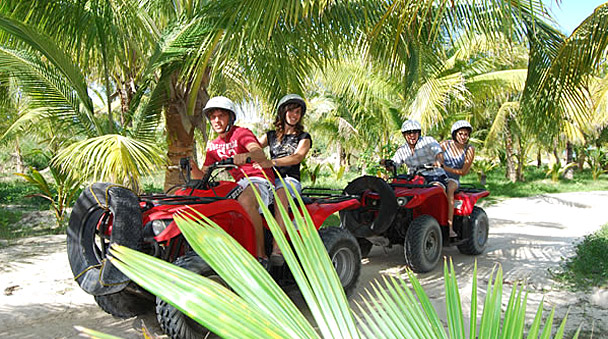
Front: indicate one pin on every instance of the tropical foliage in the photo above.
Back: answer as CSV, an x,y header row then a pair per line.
x,y
61,193
106,75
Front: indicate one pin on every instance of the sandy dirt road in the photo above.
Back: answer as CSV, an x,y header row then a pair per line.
x,y
39,299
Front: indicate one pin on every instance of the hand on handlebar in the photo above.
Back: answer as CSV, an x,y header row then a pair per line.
x,y
194,170
240,159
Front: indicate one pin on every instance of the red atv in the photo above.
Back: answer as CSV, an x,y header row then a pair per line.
x,y
106,213
409,211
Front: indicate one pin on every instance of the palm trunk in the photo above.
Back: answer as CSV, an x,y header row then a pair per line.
x,y
569,159
18,157
511,173
180,126
521,159
580,158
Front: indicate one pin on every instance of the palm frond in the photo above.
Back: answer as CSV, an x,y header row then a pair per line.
x,y
429,104
48,90
512,80
120,159
507,111
390,309
557,86
60,60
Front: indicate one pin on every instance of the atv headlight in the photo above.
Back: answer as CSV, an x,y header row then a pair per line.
x,y
402,201
159,225
457,204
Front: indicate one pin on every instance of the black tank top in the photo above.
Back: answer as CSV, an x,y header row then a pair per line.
x,y
286,147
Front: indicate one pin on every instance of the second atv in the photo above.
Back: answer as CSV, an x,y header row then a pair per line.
x,y
410,212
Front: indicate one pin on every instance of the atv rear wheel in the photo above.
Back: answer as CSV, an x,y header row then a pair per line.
x,y
172,321
370,220
475,233
345,255
423,244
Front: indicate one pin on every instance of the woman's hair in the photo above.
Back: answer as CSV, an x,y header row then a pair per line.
x,y
279,121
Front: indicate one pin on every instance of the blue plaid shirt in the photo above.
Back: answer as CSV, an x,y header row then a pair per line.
x,y
425,153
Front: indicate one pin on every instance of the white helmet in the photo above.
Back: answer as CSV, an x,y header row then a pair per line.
x,y
411,125
460,124
292,99
223,103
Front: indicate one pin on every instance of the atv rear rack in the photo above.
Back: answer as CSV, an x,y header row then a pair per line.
x,y
164,199
324,195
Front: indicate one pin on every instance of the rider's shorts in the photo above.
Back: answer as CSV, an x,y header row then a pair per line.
x,y
441,179
291,183
263,186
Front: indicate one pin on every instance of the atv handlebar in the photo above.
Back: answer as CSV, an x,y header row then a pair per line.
x,y
224,163
390,166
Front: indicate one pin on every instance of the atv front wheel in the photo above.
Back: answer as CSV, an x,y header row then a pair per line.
x,y
124,304
345,255
88,240
172,321
423,244
475,233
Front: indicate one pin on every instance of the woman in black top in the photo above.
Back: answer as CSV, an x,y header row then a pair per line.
x,y
288,145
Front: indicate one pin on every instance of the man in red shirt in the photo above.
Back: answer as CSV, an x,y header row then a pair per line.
x,y
239,143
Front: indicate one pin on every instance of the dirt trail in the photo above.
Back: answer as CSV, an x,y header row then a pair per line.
x,y
39,298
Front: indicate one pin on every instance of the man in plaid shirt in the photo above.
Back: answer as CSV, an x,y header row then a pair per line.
x,y
424,156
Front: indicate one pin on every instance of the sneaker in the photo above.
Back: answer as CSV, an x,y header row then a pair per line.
x,y
277,259
264,262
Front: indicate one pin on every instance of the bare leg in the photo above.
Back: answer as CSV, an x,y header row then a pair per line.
x,y
250,205
452,186
277,215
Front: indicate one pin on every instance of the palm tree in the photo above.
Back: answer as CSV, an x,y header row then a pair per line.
x,y
198,47
54,82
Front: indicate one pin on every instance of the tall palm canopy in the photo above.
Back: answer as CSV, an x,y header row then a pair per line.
x,y
153,60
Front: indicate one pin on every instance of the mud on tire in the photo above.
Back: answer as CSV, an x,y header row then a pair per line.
x,y
171,320
345,255
475,233
423,244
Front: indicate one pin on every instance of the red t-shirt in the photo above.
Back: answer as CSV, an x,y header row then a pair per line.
x,y
234,143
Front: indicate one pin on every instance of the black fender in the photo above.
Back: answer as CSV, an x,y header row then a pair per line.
x,y
362,222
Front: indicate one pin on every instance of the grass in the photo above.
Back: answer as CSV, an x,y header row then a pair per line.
x,y
8,218
15,191
537,183
589,266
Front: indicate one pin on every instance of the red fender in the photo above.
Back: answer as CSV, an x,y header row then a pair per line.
x,y
468,202
321,211
228,214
